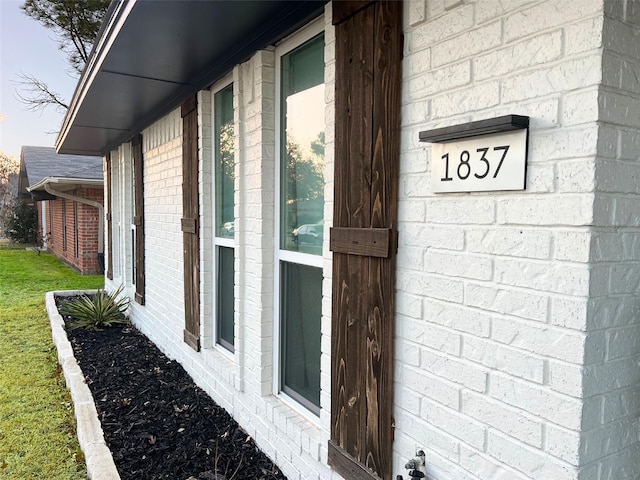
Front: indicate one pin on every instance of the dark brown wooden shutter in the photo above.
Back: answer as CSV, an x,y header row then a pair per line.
x,y
109,206
190,227
368,82
138,216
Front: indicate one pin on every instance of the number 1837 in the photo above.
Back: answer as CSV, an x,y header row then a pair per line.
x,y
490,162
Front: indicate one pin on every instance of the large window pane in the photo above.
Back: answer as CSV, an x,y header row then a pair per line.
x,y
302,148
225,320
301,288
224,162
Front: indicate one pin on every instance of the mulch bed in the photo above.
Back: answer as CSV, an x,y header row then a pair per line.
x,y
157,423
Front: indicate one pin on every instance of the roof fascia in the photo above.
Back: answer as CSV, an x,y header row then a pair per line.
x,y
116,16
120,15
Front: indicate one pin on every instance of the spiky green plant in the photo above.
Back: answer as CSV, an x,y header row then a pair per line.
x,y
97,311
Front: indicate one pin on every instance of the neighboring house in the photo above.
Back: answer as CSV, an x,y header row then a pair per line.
x,y
68,193
498,330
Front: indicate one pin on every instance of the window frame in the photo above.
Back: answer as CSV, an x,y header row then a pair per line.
x,y
217,241
132,215
117,206
281,256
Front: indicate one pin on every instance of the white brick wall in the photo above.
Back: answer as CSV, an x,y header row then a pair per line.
x,y
498,286
611,437
163,312
517,332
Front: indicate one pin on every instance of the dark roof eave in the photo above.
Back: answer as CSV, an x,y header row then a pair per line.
x,y
123,90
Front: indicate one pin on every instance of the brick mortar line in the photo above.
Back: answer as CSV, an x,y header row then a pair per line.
x,y
98,458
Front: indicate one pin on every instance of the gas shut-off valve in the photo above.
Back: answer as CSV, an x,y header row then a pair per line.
x,y
416,466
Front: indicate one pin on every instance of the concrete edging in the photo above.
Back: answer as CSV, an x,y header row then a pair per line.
x,y
98,458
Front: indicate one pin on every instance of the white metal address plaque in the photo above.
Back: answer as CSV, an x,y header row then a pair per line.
x,y
480,164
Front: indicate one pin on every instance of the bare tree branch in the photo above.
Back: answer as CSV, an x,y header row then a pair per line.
x,y
75,24
37,95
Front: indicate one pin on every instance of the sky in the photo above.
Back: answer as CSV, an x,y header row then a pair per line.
x,y
28,47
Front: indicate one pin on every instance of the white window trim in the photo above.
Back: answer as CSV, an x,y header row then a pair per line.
x,y
115,216
220,241
316,27
125,156
132,214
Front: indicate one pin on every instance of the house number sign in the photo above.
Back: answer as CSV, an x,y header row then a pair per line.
x,y
466,159
485,163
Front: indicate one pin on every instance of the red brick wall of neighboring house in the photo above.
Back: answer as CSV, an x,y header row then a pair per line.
x,y
73,234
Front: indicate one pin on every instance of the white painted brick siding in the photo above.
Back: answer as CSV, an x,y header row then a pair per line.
x,y
517,330
531,462
514,422
612,380
504,358
509,301
524,261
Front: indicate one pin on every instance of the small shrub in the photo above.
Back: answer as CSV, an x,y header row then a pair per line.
x,y
97,311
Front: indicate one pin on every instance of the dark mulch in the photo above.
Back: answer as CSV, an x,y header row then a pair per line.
x,y
157,423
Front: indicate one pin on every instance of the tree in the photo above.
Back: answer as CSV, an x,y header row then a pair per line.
x,y
303,179
20,221
76,24
304,175
317,146
9,168
38,95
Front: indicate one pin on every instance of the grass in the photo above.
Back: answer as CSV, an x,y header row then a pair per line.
x,y
37,426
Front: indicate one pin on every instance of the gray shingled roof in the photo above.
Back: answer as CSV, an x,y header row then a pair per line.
x,y
42,162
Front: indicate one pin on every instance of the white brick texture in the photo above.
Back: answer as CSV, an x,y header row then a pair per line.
x,y
539,298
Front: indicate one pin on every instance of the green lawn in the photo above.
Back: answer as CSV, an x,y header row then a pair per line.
x,y
37,426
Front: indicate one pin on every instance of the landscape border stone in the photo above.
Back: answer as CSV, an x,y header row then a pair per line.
x,y
98,458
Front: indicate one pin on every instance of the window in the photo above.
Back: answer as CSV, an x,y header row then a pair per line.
x,y
224,221
117,205
109,211
132,224
300,221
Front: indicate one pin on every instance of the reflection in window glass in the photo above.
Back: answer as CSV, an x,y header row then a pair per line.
x,y
224,162
302,148
225,310
301,219
302,304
